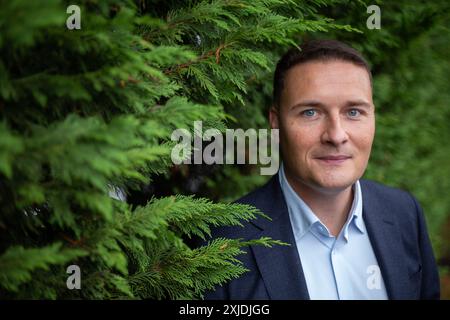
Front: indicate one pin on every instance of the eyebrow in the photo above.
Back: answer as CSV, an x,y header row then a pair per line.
x,y
316,103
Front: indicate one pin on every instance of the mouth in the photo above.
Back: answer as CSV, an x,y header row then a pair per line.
x,y
334,159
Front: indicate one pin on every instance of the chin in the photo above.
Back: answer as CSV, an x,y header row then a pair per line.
x,y
336,183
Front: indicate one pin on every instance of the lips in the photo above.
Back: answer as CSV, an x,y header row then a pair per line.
x,y
334,159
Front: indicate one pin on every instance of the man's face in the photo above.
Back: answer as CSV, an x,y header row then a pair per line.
x,y
327,124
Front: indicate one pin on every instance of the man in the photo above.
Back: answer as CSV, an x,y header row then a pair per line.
x,y
349,238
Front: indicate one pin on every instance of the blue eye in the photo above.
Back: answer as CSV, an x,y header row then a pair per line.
x,y
353,113
309,113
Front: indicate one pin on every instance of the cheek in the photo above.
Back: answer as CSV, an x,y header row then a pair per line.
x,y
300,138
363,140
363,136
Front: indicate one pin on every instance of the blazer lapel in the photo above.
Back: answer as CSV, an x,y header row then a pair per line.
x,y
280,266
385,238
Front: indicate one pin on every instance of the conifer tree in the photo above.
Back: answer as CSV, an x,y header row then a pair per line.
x,y
87,111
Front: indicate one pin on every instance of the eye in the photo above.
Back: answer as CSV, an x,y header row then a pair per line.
x,y
309,113
353,113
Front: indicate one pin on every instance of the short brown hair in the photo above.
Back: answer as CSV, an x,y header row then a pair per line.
x,y
314,50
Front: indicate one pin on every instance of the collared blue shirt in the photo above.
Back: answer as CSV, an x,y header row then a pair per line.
x,y
335,268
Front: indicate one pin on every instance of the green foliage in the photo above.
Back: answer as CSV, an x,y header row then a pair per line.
x,y
17,263
190,271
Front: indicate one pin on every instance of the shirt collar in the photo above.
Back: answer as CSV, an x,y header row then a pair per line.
x,y
302,217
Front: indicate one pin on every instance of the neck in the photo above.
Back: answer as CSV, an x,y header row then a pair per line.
x,y
332,208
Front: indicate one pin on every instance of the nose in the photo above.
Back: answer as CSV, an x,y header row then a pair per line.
x,y
334,132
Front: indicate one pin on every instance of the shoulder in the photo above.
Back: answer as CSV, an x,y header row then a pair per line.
x,y
399,204
386,193
263,199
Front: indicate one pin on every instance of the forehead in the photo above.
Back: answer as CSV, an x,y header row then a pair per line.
x,y
327,79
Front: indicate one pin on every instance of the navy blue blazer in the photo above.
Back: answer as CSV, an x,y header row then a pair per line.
x,y
396,229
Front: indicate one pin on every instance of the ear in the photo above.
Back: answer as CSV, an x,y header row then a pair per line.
x,y
274,117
